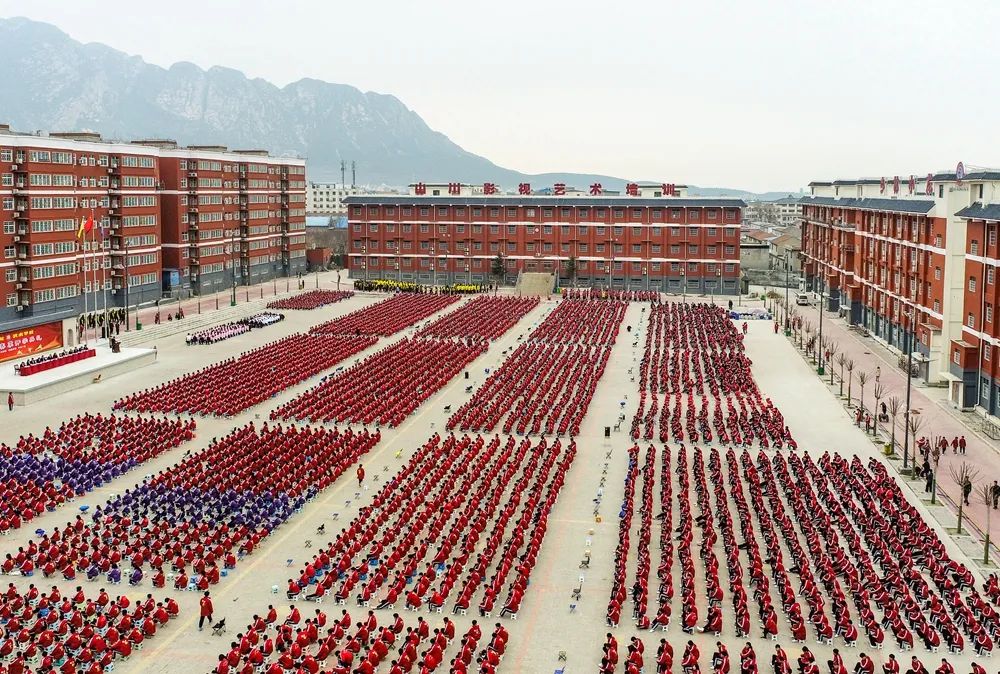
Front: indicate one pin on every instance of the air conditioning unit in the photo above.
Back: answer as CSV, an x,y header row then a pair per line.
x,y
18,286
25,303
16,239
13,167
19,308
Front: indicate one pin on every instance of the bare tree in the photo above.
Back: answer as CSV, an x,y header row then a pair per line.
x,y
841,361
862,380
964,475
895,407
832,348
878,392
985,494
850,379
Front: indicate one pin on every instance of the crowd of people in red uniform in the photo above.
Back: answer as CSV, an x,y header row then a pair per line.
x,y
312,299
41,472
73,633
464,516
839,546
362,645
486,317
547,383
387,386
695,382
235,384
388,316
190,523
606,294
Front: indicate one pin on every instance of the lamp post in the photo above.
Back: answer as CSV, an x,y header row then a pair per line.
x,y
718,282
645,277
683,284
788,327
819,345
232,262
909,384
364,260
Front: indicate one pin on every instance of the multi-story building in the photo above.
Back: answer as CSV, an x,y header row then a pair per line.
x,y
142,208
659,242
48,185
976,350
232,217
890,256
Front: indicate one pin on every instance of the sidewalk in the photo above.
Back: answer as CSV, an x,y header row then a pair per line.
x,y
221,300
938,417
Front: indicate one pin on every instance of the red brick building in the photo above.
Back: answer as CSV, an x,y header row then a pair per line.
x,y
974,353
632,242
896,257
142,203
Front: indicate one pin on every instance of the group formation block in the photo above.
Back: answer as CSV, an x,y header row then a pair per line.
x,y
827,550
547,383
695,382
461,524
388,316
39,473
312,299
235,384
50,632
193,521
486,317
386,387
362,644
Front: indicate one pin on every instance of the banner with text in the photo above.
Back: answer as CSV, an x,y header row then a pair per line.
x,y
29,341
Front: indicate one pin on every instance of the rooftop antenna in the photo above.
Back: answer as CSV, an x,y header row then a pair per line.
x,y
354,173
343,169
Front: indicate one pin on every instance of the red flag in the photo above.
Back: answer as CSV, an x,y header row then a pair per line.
x,y
86,225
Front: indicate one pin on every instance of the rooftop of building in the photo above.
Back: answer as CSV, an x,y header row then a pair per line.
x,y
980,211
521,200
917,206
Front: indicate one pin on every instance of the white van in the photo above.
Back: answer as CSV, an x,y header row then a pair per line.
x,y
803,299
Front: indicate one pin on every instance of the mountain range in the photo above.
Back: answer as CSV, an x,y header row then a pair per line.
x,y
65,85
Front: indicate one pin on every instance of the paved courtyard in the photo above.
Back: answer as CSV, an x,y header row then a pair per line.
x,y
554,627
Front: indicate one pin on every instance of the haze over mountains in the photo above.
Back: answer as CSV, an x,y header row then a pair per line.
x,y
64,85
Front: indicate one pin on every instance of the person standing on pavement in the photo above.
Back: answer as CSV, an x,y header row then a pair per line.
x,y
206,610
10,401
995,493
961,444
966,489
878,373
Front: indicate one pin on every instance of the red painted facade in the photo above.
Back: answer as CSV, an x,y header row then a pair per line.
x,y
637,242
156,207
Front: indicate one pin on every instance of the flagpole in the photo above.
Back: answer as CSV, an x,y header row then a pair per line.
x,y
83,269
104,292
93,273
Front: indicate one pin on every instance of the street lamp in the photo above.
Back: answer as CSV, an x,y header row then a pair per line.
x,y
364,260
909,383
232,262
788,328
645,277
819,345
683,284
718,282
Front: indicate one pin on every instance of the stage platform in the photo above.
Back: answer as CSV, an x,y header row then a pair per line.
x,y
103,366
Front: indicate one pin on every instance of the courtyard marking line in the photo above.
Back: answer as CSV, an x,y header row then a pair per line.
x,y
235,581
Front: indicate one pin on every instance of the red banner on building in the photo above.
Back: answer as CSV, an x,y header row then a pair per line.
x,y
29,341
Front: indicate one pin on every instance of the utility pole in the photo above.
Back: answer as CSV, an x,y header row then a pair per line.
x,y
343,172
354,173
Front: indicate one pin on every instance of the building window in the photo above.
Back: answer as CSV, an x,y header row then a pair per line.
x,y
987,349
937,273
989,275
956,357
974,247
988,315
972,284
971,321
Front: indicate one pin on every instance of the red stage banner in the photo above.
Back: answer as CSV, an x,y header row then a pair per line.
x,y
29,341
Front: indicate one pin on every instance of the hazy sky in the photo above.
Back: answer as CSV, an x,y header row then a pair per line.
x,y
759,95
